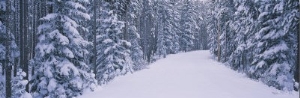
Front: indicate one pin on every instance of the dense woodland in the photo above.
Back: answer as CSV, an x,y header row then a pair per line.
x,y
59,48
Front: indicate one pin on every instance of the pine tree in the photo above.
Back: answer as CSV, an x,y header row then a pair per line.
x,y
84,28
243,25
60,68
2,58
225,33
275,57
291,25
2,89
19,85
201,36
147,29
260,38
2,31
8,49
186,35
2,53
163,34
167,38
113,52
214,27
172,25
136,52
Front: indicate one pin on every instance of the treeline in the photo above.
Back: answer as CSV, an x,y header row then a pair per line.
x,y
58,48
258,38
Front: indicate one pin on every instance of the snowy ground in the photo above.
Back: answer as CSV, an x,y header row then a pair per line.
x,y
187,75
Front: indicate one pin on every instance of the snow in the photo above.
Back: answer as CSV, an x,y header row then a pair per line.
x,y
127,43
187,75
282,46
68,53
107,41
2,5
67,68
75,5
2,53
26,95
51,86
23,74
263,14
23,82
108,49
50,16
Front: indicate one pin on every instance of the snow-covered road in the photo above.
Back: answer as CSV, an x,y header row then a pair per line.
x,y
187,75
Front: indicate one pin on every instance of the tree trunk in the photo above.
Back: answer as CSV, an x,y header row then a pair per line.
x,y
16,34
7,60
297,73
125,35
8,79
95,36
21,33
219,41
24,45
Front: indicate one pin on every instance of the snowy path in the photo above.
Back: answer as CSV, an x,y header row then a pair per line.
x,y
186,75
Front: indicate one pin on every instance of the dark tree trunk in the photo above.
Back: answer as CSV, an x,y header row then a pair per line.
x,y
125,35
7,64
219,41
24,39
8,79
296,76
15,32
26,42
22,33
95,36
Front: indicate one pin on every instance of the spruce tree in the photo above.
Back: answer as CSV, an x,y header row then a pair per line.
x,y
19,85
113,53
136,52
2,58
275,57
167,38
60,68
187,24
243,25
8,49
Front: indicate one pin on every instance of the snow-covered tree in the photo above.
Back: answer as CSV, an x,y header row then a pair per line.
x,y
291,26
19,85
212,29
274,56
218,28
2,53
2,84
163,32
259,38
200,32
147,29
244,26
186,36
8,49
113,53
167,38
60,68
136,52
2,57
2,48
84,28
172,25
226,34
